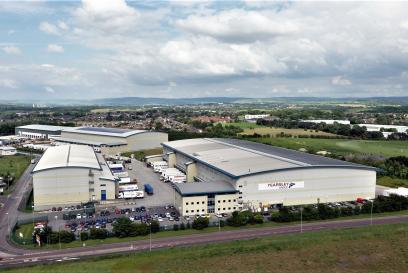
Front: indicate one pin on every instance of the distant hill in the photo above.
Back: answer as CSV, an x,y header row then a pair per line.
x,y
138,101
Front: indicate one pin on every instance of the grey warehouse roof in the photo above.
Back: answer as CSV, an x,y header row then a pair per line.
x,y
199,188
237,158
66,156
115,132
41,127
87,142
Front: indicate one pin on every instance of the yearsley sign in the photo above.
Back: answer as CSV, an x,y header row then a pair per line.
x,y
281,186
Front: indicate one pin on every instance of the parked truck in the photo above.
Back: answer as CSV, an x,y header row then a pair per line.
x,y
148,189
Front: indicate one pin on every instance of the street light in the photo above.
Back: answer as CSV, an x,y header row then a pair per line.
x,y
59,233
301,219
32,206
150,236
8,223
371,217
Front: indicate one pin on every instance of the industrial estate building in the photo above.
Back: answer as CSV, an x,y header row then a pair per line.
x,y
38,131
228,174
112,140
106,140
71,175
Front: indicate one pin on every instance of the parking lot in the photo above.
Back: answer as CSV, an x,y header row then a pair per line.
x,y
159,206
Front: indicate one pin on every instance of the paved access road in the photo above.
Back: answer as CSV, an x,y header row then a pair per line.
x,y
9,212
30,257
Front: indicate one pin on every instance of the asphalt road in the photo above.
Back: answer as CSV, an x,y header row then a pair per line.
x,y
9,212
32,257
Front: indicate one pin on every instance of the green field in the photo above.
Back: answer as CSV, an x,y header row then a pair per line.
x,y
392,182
277,131
368,249
14,165
243,125
340,146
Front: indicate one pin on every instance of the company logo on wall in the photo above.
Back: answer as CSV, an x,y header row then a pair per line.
x,y
281,185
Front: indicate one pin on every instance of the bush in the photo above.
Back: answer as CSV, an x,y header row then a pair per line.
x,y
200,223
98,233
66,236
84,236
175,227
222,223
155,226
182,226
122,227
188,226
237,219
258,219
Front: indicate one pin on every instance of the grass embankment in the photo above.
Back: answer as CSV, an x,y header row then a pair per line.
x,y
340,146
392,182
27,229
14,165
367,249
139,155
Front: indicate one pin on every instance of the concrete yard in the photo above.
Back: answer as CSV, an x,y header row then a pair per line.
x,y
163,192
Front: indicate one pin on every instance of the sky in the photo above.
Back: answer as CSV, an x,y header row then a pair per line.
x,y
184,49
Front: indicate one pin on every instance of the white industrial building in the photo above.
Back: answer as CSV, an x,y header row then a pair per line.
x,y
70,175
228,174
112,140
7,150
255,117
38,131
327,121
382,127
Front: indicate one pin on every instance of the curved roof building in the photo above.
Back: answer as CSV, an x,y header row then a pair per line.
x,y
264,174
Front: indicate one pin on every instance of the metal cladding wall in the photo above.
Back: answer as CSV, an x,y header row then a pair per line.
x,y
312,185
136,142
67,186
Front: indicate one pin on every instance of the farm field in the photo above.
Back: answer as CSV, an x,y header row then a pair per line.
x,y
340,146
367,249
276,131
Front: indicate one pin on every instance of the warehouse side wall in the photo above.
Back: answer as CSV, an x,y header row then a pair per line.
x,y
310,186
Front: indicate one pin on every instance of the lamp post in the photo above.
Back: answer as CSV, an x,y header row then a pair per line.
x,y
8,223
32,206
301,219
150,236
59,235
371,218
219,225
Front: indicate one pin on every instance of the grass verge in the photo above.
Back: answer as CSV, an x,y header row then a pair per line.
x,y
365,249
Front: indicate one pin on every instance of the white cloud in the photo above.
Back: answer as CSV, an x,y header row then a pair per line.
x,y
12,50
55,48
340,80
106,15
62,25
239,25
49,28
8,83
49,89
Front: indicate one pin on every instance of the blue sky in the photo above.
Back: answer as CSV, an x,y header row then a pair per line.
x,y
100,48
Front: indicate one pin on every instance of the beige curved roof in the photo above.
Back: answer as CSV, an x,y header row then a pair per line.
x,y
66,156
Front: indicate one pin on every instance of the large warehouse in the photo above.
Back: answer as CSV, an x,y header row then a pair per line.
x,y
112,140
70,175
38,131
230,174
